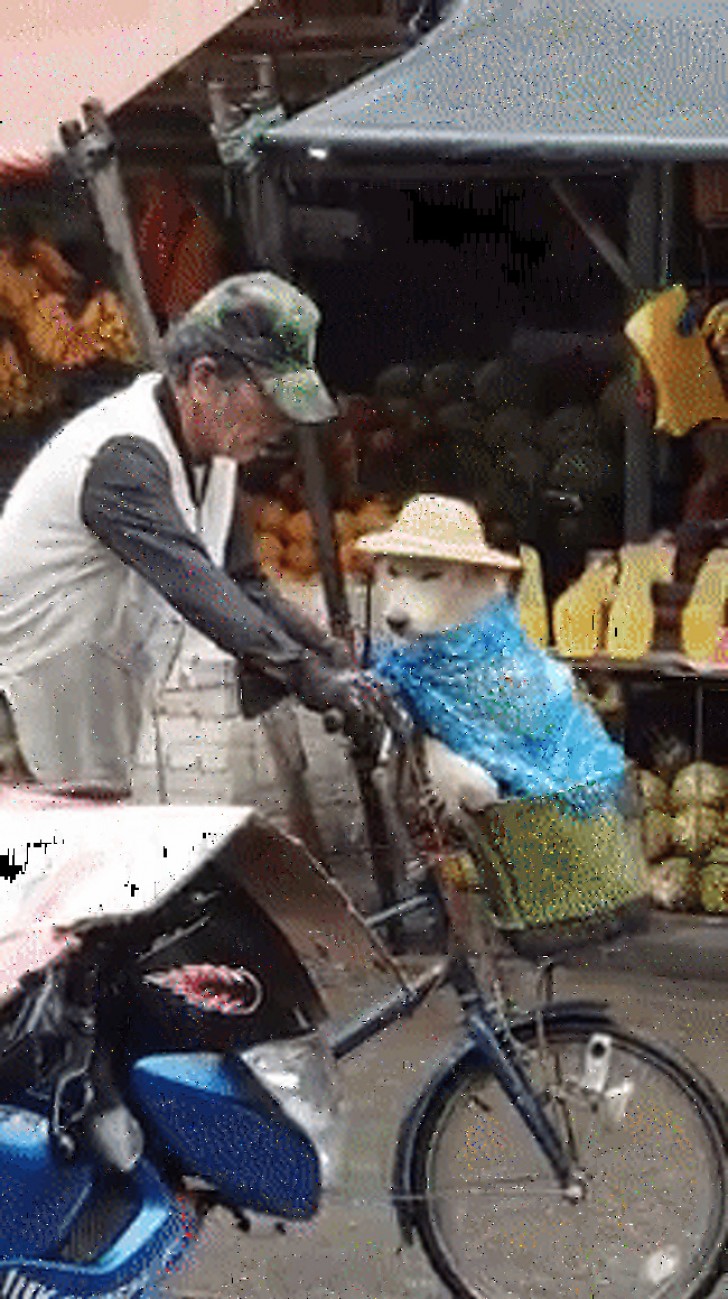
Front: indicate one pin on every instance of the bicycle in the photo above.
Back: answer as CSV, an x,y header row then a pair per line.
x,y
554,1152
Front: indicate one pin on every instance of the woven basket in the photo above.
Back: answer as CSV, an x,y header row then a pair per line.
x,y
551,879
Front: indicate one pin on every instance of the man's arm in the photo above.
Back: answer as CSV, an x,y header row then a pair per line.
x,y
241,565
127,502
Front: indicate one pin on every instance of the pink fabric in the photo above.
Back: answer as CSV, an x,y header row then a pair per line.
x,y
85,861
53,57
39,943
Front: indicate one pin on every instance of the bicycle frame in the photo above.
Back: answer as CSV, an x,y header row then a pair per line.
x,y
485,1035
390,844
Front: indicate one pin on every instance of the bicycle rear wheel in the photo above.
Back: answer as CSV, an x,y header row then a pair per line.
x,y
649,1137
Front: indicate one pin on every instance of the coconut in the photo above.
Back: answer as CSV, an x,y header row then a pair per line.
x,y
300,559
522,462
696,828
458,418
657,835
356,561
269,550
400,410
272,518
373,516
714,887
655,792
673,884
668,754
700,782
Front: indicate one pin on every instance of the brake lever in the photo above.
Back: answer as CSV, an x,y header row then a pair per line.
x,y
335,724
398,730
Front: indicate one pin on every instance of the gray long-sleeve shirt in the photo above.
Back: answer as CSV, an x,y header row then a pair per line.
x,y
127,502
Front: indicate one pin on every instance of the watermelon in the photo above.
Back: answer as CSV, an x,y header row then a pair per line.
x,y
569,426
509,424
447,382
504,382
587,470
398,381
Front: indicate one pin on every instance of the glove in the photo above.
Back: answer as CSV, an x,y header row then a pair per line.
x,y
324,689
340,656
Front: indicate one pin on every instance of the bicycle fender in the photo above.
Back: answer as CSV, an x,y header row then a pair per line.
x,y
566,1013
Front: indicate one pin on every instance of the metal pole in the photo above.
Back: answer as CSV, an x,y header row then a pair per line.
x,y
318,498
594,232
92,156
644,245
667,221
265,239
664,262
92,159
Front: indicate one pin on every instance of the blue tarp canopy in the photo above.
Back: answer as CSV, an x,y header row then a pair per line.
x,y
536,80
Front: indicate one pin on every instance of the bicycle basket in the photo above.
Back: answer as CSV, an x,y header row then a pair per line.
x,y
552,879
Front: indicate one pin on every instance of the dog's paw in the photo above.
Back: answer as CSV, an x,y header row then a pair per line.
x,y
460,784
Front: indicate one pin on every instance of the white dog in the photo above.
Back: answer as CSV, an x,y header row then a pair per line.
x,y
434,571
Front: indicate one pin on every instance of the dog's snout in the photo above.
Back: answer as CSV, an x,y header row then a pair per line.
x,y
398,623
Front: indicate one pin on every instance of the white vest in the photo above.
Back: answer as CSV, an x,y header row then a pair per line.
x,y
86,643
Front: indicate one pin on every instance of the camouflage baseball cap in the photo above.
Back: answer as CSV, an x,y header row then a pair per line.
x,y
269,327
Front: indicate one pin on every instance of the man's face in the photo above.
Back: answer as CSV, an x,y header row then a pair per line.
x,y
227,416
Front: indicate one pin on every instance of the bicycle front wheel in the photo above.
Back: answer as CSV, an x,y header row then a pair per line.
x,y
649,1139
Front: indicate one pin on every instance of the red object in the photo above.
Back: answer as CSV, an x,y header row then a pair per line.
x,y
359,416
180,251
707,499
710,194
18,172
645,393
216,988
383,443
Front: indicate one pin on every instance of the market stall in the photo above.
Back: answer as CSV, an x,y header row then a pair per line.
x,y
55,316
522,125
65,336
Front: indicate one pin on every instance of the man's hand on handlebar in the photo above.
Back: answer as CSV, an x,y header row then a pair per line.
x,y
353,703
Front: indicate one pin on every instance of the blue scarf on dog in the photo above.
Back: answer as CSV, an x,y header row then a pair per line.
x,y
491,695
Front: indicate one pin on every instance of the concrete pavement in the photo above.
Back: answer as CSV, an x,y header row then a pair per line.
x,y
353,1250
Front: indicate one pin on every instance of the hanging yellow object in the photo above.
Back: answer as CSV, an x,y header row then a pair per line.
x,y
632,615
704,616
581,612
532,606
688,387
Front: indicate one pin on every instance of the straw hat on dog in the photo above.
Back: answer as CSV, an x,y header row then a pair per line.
x,y
439,528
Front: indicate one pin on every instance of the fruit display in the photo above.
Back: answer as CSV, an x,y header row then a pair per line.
x,y
285,542
609,608
490,429
14,382
685,837
49,323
